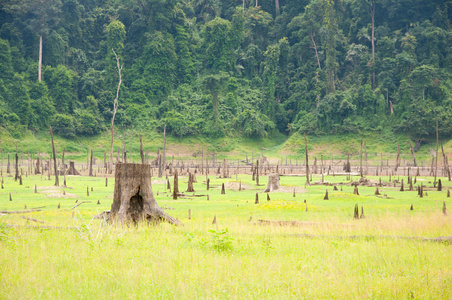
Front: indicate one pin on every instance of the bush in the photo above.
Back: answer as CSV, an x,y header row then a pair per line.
x,y
63,125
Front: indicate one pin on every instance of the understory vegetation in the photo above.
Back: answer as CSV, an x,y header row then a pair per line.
x,y
214,68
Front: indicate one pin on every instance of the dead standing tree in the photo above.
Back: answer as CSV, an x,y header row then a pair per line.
x,y
115,109
133,197
57,183
307,157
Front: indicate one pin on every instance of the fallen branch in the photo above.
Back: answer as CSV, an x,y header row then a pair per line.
x,y
18,211
295,223
81,203
31,219
440,239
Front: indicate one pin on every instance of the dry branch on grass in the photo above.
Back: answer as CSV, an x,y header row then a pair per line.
x,y
81,203
18,211
31,219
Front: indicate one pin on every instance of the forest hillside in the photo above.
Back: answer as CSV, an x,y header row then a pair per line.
x,y
231,67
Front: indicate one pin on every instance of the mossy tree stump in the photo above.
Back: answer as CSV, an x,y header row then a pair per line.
x,y
133,197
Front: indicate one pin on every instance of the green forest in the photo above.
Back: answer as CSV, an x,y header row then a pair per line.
x,y
227,67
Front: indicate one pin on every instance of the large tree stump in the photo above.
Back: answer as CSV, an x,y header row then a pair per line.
x,y
273,183
72,170
133,197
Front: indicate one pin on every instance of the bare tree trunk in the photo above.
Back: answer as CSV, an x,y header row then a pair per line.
x,y
436,159
164,147
311,34
361,160
57,183
33,155
365,158
412,153
277,7
91,164
398,158
141,150
307,160
16,166
64,170
40,58
115,109
372,15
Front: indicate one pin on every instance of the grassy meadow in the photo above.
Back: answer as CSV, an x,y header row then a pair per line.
x,y
327,255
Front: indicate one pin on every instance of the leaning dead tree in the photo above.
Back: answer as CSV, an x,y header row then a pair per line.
x,y
133,197
115,109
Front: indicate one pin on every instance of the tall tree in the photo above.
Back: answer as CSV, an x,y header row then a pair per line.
x,y
40,16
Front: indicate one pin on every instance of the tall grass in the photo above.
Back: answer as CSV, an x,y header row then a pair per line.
x,y
330,255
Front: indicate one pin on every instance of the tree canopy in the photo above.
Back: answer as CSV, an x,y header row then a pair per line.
x,y
208,67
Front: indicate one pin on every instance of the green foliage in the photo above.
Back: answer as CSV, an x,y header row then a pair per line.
x,y
63,125
221,240
216,68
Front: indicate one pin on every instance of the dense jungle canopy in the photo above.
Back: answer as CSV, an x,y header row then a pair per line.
x,y
216,67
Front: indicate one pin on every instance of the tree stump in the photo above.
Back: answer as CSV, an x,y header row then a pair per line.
x,y
72,170
377,192
133,197
273,183
356,212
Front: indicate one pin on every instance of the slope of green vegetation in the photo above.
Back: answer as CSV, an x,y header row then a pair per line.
x,y
210,68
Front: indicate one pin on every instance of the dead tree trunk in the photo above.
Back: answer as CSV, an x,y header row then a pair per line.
x,y
398,158
115,109
273,183
361,160
436,158
16,167
64,170
412,153
175,186
57,183
133,197
141,150
164,148
91,164
307,159
257,172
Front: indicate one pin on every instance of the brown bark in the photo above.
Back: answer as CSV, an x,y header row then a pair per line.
x,y
436,158
164,148
175,185
273,183
57,183
133,197
307,160
115,109
412,153
40,59
91,164
141,150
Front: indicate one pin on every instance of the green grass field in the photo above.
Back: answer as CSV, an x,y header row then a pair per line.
x,y
329,255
